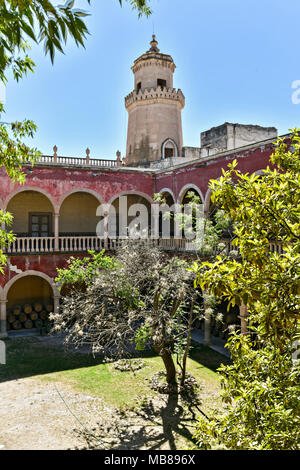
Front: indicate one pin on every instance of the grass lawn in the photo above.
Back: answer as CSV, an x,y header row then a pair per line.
x,y
28,357
46,362
124,389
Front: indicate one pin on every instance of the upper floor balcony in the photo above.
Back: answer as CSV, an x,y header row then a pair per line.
x,y
72,226
26,245
82,243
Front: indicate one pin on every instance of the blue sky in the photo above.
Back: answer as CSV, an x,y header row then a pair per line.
x,y
236,61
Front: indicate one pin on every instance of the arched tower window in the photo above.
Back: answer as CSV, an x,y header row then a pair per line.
x,y
169,149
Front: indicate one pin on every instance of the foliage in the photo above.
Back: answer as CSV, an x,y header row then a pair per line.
x,y
13,152
139,297
41,21
83,271
141,5
204,230
38,21
5,236
261,387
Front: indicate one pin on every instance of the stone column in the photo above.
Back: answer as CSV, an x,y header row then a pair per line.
x,y
3,331
106,214
87,158
177,226
119,161
244,321
56,303
55,154
56,231
207,323
155,222
2,247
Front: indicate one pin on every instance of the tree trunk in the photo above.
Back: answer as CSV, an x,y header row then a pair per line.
x,y
170,368
159,346
188,343
168,363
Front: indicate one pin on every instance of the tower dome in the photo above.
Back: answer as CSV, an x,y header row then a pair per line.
x,y
154,109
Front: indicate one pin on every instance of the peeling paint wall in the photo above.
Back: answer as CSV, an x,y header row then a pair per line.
x,y
106,185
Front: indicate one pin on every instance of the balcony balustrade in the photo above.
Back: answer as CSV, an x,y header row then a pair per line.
x,y
84,243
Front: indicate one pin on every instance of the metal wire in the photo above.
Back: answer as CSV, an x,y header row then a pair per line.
x,y
76,417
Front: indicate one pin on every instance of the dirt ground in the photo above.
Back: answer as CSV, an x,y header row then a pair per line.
x,y
37,414
34,416
40,416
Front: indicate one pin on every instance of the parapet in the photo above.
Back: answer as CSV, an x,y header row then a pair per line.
x,y
155,94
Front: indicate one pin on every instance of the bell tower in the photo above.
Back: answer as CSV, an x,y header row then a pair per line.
x,y
154,110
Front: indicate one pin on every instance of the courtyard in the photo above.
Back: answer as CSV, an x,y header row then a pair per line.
x,y
57,399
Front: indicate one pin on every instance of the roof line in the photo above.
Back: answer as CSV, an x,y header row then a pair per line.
x,y
224,153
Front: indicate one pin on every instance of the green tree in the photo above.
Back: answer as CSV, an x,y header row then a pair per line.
x,y
41,22
261,387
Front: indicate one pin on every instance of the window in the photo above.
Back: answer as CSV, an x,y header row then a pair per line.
x,y
169,152
161,83
40,224
169,149
139,87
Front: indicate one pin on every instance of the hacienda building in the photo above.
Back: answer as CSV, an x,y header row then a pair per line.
x,y
56,211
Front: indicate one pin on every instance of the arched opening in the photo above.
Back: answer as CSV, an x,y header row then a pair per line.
x,y
167,196
129,212
30,300
77,215
33,214
225,320
192,207
211,211
166,222
169,149
187,194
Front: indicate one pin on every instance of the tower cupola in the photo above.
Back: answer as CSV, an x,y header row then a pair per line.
x,y
154,109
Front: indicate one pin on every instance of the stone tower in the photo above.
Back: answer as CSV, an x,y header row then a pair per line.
x,y
154,110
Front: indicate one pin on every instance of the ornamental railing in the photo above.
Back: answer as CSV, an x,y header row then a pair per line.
x,y
83,244
80,161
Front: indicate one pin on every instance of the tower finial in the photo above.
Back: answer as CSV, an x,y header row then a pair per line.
x,y
154,44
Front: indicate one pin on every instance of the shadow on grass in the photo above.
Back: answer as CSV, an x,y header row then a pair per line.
x,y
208,358
31,356
27,357
166,426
